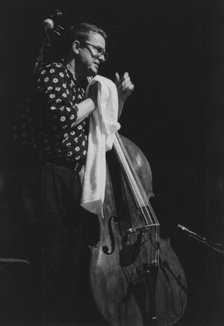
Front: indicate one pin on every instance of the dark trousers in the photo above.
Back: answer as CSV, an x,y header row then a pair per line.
x,y
58,233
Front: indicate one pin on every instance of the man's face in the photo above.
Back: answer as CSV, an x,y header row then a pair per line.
x,y
92,54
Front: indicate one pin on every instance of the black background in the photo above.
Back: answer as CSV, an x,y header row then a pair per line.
x,y
174,52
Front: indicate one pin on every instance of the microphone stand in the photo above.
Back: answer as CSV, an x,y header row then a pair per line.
x,y
214,245
39,59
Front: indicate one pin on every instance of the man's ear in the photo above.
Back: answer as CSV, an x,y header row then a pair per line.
x,y
76,46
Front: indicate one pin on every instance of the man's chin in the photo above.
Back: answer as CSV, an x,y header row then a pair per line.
x,y
94,70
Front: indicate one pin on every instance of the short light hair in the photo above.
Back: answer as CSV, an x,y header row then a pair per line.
x,y
81,32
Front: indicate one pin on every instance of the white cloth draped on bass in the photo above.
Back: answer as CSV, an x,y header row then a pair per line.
x,y
102,128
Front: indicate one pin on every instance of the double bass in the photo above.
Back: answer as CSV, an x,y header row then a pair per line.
x,y
135,276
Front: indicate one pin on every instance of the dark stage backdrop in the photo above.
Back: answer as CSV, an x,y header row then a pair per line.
x,y
174,52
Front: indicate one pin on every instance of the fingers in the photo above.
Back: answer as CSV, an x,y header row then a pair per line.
x,y
124,80
125,84
117,78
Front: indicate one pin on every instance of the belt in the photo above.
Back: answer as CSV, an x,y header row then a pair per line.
x,y
75,166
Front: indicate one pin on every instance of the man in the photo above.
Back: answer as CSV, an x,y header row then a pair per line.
x,y
54,129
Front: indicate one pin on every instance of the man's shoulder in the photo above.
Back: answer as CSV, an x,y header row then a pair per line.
x,y
52,67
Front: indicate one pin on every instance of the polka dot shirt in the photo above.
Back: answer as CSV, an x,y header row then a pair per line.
x,y
47,119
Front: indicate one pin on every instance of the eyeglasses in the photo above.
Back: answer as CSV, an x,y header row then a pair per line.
x,y
99,51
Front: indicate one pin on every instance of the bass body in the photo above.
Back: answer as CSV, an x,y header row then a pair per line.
x,y
136,278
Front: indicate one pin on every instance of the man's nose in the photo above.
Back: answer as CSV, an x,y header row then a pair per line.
x,y
102,57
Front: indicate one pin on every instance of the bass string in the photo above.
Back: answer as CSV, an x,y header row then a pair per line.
x,y
139,192
137,195
137,184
